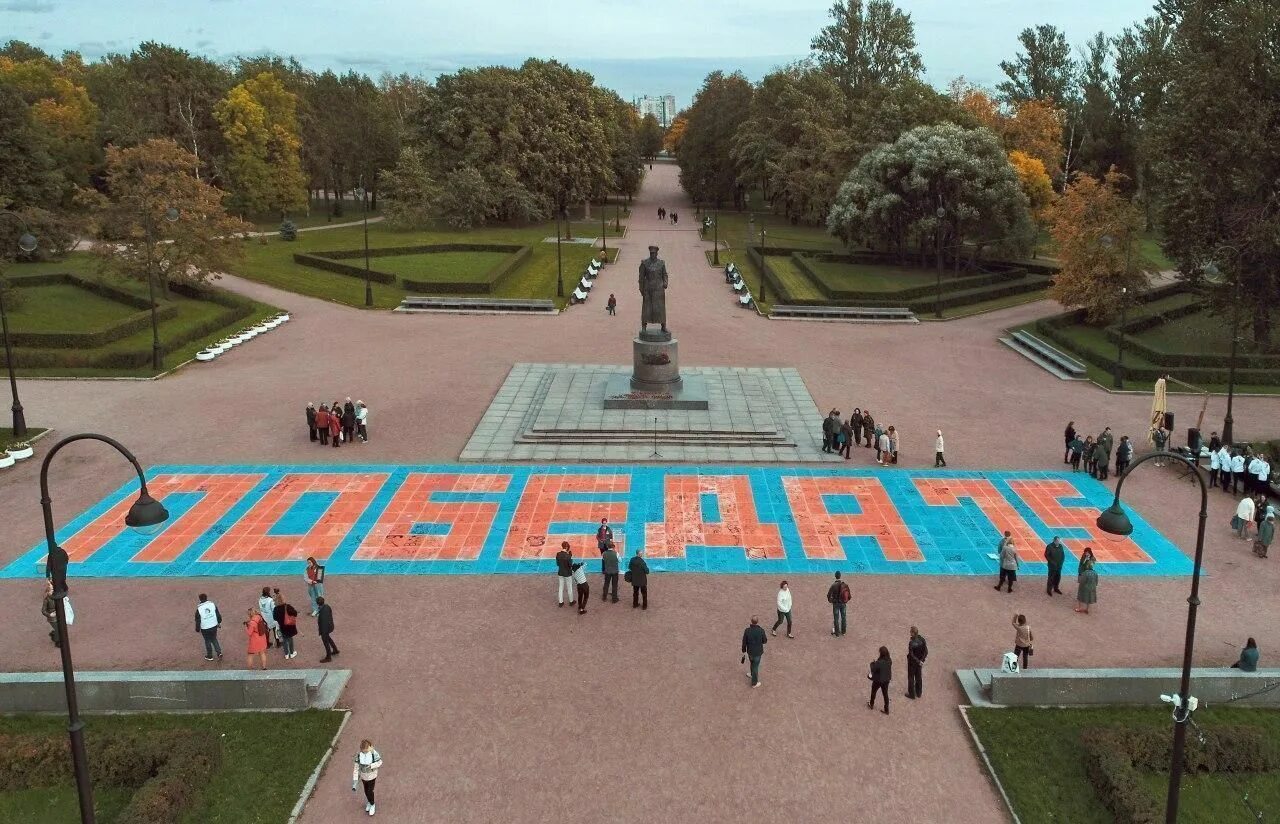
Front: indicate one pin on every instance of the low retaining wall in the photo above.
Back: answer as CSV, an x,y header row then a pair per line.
x,y
1083,687
162,691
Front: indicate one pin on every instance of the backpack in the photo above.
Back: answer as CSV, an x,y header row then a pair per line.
x,y
845,595
290,617
261,629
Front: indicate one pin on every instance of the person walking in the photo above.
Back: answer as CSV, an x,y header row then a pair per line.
x,y
845,439
49,609
1055,555
1023,639
311,421
1008,562
1076,448
838,595
324,624
612,306
365,770
938,459
266,608
753,641
579,575
255,627
917,652
855,423
638,577
1124,454
286,618
1069,435
362,421
564,574
1266,534
322,424
609,568
1243,517
335,426
1087,589
1248,660
208,619
314,576
784,609
880,674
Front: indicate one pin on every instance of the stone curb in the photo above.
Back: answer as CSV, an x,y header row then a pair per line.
x,y
310,787
982,753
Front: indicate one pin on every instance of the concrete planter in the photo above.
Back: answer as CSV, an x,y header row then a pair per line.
x,y
206,355
6,460
20,454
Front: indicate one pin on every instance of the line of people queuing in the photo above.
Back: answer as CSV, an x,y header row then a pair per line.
x,y
338,422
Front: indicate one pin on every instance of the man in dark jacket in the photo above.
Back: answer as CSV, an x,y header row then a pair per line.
x,y
604,534
1124,455
838,596
348,420
829,425
868,427
564,574
609,568
311,422
880,673
753,641
1106,442
1054,556
638,573
324,623
917,651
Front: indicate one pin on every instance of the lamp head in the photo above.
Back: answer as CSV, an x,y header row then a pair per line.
x,y
1107,240
941,212
27,242
147,516
359,193
1114,521
171,214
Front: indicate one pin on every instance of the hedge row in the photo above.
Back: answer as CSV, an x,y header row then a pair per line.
x,y
166,770
92,340
834,293
1182,359
331,262
400,251
1115,757
317,262
517,256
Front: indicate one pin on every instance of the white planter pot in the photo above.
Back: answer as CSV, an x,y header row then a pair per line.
x,y
206,356
20,454
271,324
6,460
284,318
219,349
258,330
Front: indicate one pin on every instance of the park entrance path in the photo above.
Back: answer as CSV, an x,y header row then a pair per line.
x,y
491,704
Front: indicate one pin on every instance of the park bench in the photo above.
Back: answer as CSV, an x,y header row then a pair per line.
x,y
738,286
745,300
586,284
1047,357
866,314
731,273
421,304
578,296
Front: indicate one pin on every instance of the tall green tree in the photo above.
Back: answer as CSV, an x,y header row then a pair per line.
x,y
1043,70
1217,153
650,137
707,169
260,124
868,45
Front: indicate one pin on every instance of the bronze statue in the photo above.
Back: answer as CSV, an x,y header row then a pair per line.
x,y
653,291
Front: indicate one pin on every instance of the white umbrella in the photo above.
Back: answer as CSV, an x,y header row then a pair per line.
x,y
1159,405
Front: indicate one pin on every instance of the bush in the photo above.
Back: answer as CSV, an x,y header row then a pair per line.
x,y
1115,757
288,231
166,770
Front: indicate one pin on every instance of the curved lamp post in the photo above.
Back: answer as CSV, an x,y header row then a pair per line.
x,y
171,215
1215,275
1115,522
937,300
26,243
362,194
1117,375
147,515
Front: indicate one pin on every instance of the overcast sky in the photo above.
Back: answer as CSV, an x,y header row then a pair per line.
x,y
632,46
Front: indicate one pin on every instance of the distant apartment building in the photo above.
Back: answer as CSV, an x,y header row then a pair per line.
x,y
662,107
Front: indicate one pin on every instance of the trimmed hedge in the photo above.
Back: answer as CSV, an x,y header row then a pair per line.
x,y
1115,757
332,262
988,277
165,770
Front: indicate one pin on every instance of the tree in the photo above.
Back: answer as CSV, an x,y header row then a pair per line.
x,y
1138,86
865,46
1096,229
28,174
890,201
143,183
707,170
675,135
1043,70
260,124
1033,127
1216,152
1035,182
650,137
414,196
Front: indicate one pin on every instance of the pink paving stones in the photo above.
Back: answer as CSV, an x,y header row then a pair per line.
x,y
530,533
821,530
685,524
465,524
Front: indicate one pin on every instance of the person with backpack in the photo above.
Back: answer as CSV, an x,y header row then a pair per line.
x,y
917,651
287,619
838,596
267,608
365,771
255,628
880,674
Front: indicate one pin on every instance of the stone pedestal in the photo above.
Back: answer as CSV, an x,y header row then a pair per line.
x,y
656,363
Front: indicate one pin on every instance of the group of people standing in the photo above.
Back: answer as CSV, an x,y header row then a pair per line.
x,y
338,422
1055,555
839,436
571,574
1095,452
1254,509
1230,468
663,214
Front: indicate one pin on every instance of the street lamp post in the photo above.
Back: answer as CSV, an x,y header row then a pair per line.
x,y
1117,380
147,515
604,230
715,230
937,300
559,260
764,263
363,194
171,215
1214,274
1115,522
26,243
617,217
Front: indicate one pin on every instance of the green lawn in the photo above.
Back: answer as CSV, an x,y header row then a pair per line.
x,y
1037,755
875,277
797,284
6,438
736,229
266,759
272,262
65,307
453,266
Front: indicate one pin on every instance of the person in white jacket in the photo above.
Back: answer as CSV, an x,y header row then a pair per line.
x,y
784,609
1244,516
266,608
939,460
362,421
365,771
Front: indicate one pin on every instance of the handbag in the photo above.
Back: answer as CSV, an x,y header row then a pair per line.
x,y
627,576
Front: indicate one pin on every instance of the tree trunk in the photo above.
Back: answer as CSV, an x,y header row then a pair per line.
x,y
586,209
1261,325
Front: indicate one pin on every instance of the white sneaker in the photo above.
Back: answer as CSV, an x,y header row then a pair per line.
x,y
366,806
372,807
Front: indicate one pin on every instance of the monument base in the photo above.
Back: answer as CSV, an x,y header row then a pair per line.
x,y
690,392
656,363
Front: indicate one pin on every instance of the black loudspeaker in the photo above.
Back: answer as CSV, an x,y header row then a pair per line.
x,y
1193,440
1168,421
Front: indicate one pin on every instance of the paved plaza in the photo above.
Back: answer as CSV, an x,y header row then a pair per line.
x,y
487,702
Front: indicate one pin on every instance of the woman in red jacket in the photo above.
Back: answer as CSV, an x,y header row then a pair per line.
x,y
256,630
322,424
335,427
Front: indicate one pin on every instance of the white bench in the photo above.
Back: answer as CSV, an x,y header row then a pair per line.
x,y
585,284
579,296
745,300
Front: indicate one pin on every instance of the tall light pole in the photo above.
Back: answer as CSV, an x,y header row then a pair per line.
x,y
1117,374
604,230
1115,522
764,264
171,215
937,300
715,229
146,515
559,259
1215,275
26,243
363,193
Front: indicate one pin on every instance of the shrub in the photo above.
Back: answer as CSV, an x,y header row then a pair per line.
x,y
288,231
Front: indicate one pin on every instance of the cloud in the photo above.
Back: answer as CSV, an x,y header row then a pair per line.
x,y
27,6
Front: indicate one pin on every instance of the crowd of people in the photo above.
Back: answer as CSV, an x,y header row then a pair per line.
x,y
338,422
839,436
571,574
1055,555
663,214
1094,452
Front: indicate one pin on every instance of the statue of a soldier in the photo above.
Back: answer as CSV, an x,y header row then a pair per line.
x,y
653,291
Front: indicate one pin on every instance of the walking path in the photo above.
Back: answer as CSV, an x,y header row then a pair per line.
x,y
488,703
